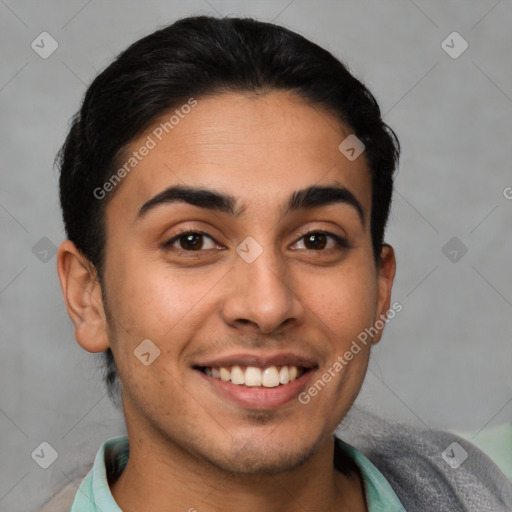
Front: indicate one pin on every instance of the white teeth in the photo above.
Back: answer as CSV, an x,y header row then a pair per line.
x,y
269,377
284,375
237,375
252,376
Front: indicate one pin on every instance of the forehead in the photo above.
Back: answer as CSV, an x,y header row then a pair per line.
x,y
258,148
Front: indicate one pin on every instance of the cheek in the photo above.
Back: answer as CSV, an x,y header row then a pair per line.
x,y
346,302
151,300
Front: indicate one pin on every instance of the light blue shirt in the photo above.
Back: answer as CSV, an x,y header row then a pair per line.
x,y
94,493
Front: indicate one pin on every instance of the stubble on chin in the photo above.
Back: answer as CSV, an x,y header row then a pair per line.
x,y
265,458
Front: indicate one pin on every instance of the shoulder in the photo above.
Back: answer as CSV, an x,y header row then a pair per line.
x,y
62,500
430,470
110,460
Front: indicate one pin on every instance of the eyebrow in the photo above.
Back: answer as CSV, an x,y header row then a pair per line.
x,y
310,197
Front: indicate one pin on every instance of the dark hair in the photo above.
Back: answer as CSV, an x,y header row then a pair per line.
x,y
196,57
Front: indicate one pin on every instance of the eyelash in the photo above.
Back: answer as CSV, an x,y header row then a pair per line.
x,y
342,243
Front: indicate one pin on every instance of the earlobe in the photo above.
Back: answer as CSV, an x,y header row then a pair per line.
x,y
386,274
82,294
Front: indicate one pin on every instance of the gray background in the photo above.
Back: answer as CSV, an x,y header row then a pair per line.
x,y
444,360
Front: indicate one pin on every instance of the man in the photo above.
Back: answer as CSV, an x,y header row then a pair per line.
x,y
225,188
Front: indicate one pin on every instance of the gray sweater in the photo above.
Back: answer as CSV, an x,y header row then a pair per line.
x,y
412,461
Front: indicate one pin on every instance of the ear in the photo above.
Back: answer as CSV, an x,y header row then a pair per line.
x,y
82,294
385,275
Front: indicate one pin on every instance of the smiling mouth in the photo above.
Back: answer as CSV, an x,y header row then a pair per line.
x,y
253,376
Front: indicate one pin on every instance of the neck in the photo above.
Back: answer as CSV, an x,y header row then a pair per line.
x,y
161,476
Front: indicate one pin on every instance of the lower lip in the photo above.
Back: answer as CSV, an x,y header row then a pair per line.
x,y
260,397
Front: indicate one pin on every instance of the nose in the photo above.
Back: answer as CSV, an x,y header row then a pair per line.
x,y
262,295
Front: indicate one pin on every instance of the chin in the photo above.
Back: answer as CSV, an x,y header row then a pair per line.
x,y
265,457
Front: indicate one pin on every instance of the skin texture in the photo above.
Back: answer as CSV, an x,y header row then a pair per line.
x,y
189,445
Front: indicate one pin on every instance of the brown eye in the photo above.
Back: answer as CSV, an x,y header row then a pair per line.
x,y
315,241
190,241
321,240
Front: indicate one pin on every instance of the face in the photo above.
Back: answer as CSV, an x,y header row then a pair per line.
x,y
242,274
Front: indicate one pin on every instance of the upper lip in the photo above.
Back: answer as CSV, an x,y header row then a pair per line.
x,y
259,360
